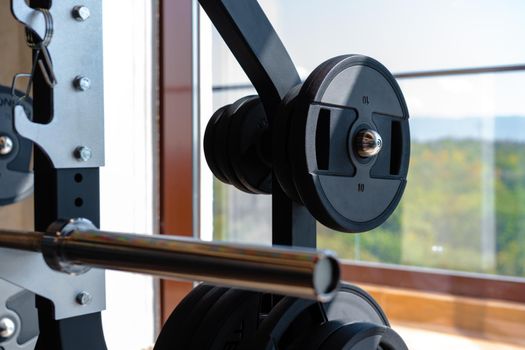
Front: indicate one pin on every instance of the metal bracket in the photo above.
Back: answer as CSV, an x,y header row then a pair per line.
x,y
24,336
74,136
29,271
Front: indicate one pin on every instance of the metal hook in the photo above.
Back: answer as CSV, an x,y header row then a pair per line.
x,y
13,86
33,39
29,17
39,45
30,76
48,74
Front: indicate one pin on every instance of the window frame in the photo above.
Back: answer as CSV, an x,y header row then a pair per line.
x,y
176,109
453,283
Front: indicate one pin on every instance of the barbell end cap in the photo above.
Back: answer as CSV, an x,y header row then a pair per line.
x,y
326,278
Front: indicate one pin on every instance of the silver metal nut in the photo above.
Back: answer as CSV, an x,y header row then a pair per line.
x,y
7,328
83,298
81,13
83,153
368,143
6,145
82,83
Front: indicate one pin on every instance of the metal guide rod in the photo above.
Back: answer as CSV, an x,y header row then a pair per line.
x,y
303,273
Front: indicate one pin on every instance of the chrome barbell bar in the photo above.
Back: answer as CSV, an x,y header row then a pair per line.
x,y
75,246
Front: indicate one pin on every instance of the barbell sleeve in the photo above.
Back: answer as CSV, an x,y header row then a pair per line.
x,y
75,246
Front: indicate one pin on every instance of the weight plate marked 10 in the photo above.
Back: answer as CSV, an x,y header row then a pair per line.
x,y
340,99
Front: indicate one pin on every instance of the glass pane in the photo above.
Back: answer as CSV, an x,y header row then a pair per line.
x,y
404,35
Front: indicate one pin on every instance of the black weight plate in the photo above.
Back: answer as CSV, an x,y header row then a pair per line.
x,y
209,142
316,336
178,331
179,316
16,180
293,323
248,147
23,304
280,148
341,97
232,319
222,136
364,336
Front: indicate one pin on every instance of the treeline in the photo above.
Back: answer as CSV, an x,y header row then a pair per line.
x,y
463,209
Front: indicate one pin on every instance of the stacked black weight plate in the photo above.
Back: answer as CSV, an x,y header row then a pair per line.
x,y
16,179
181,326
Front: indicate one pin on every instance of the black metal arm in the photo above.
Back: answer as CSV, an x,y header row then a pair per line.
x,y
256,46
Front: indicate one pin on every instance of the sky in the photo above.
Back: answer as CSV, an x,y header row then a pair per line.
x,y
408,35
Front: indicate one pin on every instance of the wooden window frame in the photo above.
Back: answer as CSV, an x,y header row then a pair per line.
x,y
447,282
175,139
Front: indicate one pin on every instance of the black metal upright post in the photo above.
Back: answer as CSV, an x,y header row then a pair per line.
x,y
65,193
292,223
62,194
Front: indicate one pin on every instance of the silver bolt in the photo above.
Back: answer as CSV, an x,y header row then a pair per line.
x,y
83,298
368,143
82,83
81,13
7,328
6,145
83,153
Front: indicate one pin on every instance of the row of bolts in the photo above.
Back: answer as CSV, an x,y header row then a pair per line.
x,y
82,153
81,83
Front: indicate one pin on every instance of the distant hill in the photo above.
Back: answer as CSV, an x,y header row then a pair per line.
x,y
504,128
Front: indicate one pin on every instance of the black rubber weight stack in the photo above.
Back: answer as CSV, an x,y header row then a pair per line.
x,y
248,147
209,145
233,318
222,135
234,146
213,318
281,156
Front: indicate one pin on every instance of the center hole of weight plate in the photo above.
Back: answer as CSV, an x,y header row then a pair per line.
x,y
367,143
